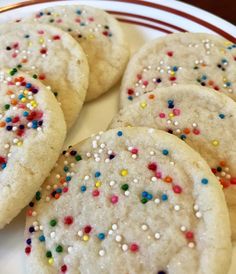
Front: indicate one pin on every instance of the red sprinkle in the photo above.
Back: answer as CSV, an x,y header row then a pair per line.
x,y
27,250
233,181
87,229
56,37
95,193
177,189
63,268
196,131
170,53
134,151
130,91
134,247
152,166
189,235
68,220
114,199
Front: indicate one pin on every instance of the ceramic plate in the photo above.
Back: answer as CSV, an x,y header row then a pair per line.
x,y
142,21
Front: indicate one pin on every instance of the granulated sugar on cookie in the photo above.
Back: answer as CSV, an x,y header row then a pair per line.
x,y
32,131
203,118
50,55
182,58
101,38
130,200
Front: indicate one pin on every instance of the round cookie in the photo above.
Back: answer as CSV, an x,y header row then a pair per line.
x,y
130,200
205,120
181,58
101,37
32,132
50,55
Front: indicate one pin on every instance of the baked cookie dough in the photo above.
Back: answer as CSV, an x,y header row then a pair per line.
x,y
130,200
101,37
32,132
203,118
50,55
181,58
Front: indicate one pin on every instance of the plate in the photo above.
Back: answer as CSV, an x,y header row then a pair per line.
x,y
142,21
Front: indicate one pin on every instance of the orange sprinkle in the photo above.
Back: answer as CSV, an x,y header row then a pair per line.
x,y
62,180
13,102
2,124
222,163
57,196
210,82
203,65
9,92
186,130
151,96
24,60
168,179
224,183
29,212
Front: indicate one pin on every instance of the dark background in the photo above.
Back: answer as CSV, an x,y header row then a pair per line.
x,y
225,9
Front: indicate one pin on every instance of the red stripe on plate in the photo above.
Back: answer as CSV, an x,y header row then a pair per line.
x,y
183,14
148,19
143,25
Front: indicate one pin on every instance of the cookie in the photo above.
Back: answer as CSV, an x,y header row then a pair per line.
x,y
32,131
204,119
130,200
181,58
100,36
50,55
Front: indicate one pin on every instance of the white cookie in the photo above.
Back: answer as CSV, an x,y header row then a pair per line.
x,y
181,58
52,56
32,131
204,119
101,38
132,200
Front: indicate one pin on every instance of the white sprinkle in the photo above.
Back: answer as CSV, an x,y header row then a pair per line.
x,y
101,252
223,174
80,233
118,238
70,249
114,226
52,234
198,214
154,179
191,245
157,236
144,227
183,228
109,152
88,154
157,201
34,213
110,232
124,247
134,156
94,144
152,153
127,193
97,159
86,178
177,207
107,160
135,180
178,131
41,227
6,146
172,163
196,207
194,124
112,183
15,140
102,145
176,123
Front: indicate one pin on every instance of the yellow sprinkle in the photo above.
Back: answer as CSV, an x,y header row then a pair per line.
x,y
25,92
171,115
172,73
19,143
143,104
98,184
41,40
85,238
215,142
124,172
23,100
222,51
51,261
227,43
91,36
33,104
30,44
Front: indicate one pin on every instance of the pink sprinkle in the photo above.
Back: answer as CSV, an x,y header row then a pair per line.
x,y
91,19
158,175
176,111
77,20
59,21
40,32
139,76
114,199
145,83
65,189
162,115
14,55
95,193
177,189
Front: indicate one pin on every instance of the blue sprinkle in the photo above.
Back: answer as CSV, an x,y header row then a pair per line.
x,y
66,168
171,104
28,241
183,137
204,181
222,116
59,190
204,77
34,124
41,238
101,236
145,194
164,197
165,152
78,12
3,165
83,188
21,96
130,98
119,133
8,119
175,68
97,174
149,196
25,113
228,84
41,13
82,24
68,178
28,85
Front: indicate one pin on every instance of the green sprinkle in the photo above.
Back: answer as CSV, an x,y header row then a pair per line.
x,y
49,254
7,106
53,222
78,158
59,249
125,187
144,200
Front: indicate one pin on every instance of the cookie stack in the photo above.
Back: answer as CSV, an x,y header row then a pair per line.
x,y
144,197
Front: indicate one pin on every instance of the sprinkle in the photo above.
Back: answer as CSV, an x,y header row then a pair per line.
x,y
165,152
157,236
134,247
124,172
215,142
204,181
119,133
101,252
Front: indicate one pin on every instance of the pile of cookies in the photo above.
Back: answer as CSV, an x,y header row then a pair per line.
x,y
156,192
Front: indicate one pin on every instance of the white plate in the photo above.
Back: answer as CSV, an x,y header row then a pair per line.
x,y
142,21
